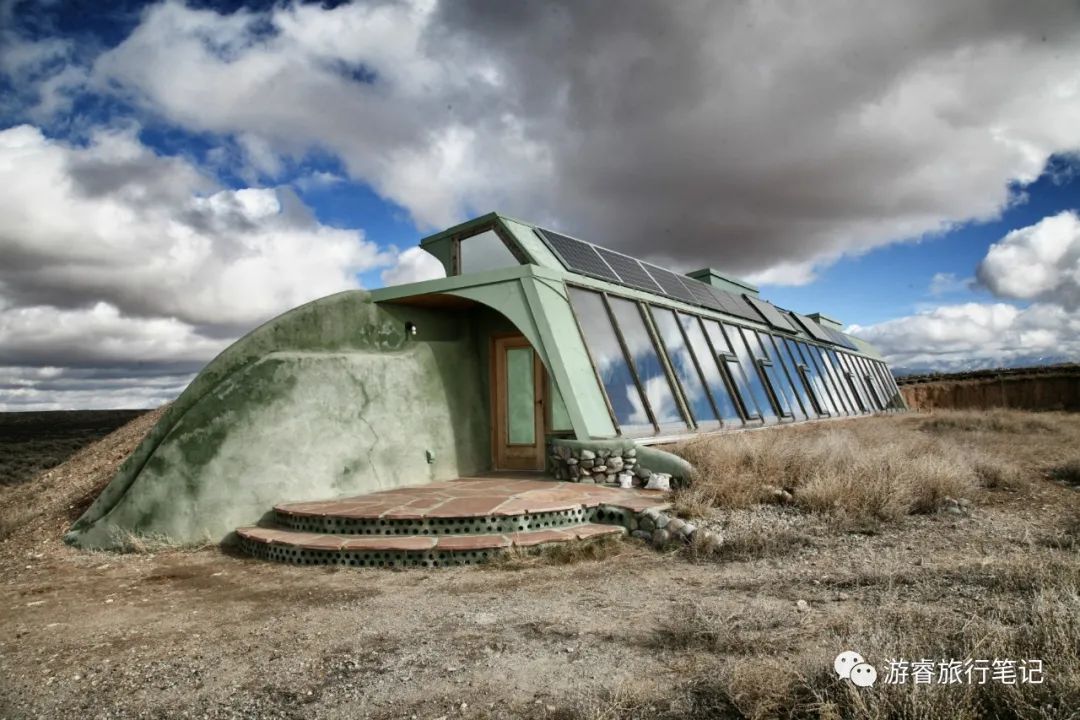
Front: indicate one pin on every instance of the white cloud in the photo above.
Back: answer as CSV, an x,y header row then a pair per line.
x,y
413,265
153,237
1039,262
114,257
974,335
98,335
742,136
23,389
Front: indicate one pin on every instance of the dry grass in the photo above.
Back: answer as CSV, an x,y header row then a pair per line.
x,y
570,553
770,661
1067,472
873,470
859,471
997,420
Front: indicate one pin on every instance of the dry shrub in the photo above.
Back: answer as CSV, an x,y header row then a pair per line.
x,y
1066,535
999,474
566,553
1067,472
755,630
865,470
998,420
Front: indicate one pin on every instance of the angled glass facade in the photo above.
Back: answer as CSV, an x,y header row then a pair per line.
x,y
666,371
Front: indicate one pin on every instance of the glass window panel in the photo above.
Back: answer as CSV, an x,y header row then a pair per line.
x,y
803,378
861,401
818,379
775,373
750,372
485,251
611,364
520,396
801,402
874,383
842,381
560,418
682,362
714,378
730,363
886,381
872,399
643,356
837,378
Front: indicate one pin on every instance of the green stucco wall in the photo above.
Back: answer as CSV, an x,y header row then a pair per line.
x,y
330,399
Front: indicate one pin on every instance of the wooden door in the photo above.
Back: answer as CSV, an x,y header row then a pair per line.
x,y
517,405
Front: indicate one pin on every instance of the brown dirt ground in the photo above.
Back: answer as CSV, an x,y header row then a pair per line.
x,y
209,634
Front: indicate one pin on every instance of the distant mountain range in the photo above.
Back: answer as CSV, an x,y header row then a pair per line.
x,y
979,364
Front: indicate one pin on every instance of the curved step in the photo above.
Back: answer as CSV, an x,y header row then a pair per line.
x,y
306,548
469,506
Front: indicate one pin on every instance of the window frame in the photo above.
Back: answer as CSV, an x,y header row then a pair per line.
x,y
809,359
510,243
716,421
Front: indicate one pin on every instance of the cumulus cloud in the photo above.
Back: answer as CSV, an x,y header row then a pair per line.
x,y
413,265
975,335
1039,262
112,255
114,222
763,139
118,386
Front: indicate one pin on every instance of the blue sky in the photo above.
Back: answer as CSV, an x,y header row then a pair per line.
x,y
181,171
898,279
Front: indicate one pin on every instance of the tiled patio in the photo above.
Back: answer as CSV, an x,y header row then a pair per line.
x,y
500,495
445,523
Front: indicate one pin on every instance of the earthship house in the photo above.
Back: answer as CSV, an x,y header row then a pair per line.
x,y
538,353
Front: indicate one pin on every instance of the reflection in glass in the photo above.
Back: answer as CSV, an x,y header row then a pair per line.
x,y
852,378
607,356
750,371
786,375
735,371
837,377
682,362
645,360
485,251
813,359
710,369
811,375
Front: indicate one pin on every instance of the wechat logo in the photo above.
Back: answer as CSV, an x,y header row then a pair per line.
x,y
850,665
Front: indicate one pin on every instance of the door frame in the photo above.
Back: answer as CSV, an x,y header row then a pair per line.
x,y
505,456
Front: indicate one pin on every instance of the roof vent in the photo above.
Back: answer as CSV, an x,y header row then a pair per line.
x,y
724,282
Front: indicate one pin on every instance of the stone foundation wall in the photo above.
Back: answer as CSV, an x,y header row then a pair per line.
x,y
600,465
616,462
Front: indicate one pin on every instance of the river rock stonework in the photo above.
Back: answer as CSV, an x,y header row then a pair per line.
x,y
602,466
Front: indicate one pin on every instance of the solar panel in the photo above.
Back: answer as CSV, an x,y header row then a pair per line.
x,y
671,283
588,259
578,256
770,313
702,292
629,270
840,338
737,306
816,331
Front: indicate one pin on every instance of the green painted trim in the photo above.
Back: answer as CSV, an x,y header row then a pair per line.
x,y
711,276
568,360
